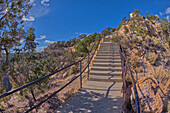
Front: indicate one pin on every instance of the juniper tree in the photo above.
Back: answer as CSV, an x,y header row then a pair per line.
x,y
12,32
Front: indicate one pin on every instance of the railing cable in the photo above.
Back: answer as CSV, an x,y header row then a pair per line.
x,y
44,77
125,64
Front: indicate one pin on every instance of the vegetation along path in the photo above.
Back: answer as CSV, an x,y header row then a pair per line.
x,y
102,93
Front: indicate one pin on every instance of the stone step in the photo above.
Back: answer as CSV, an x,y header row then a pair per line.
x,y
104,47
115,60
107,61
107,52
102,52
106,39
108,44
107,57
105,73
111,52
107,64
107,49
103,55
101,85
95,68
101,61
105,79
111,47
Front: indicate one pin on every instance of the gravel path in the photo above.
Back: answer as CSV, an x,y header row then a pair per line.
x,y
95,97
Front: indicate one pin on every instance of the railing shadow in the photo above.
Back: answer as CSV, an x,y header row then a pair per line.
x,y
92,101
155,91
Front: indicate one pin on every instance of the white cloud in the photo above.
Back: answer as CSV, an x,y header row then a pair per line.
x,y
31,18
167,17
167,11
39,49
31,1
165,14
40,11
157,15
22,40
160,13
41,37
48,41
45,2
77,33
28,23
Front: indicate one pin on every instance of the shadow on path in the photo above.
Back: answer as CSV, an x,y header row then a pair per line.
x,y
93,101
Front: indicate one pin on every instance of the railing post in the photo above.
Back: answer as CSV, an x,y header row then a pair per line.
x,y
32,92
88,67
124,87
80,76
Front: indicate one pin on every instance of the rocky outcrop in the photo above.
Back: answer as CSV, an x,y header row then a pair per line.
x,y
147,52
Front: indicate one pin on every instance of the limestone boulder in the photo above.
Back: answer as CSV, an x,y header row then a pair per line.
x,y
149,97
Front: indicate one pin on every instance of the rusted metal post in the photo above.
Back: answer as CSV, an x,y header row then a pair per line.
x,y
88,67
32,92
80,76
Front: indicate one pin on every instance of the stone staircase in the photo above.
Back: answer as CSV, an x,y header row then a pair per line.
x,y
107,63
102,93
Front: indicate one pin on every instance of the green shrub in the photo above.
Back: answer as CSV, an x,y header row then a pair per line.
x,y
113,39
114,29
152,58
133,60
156,42
126,30
73,70
82,48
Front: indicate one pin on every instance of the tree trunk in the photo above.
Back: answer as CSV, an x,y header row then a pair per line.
x,y
7,55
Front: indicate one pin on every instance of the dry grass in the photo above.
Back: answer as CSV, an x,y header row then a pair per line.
x,y
152,58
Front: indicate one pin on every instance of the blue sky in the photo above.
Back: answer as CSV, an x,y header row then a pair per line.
x,y
57,20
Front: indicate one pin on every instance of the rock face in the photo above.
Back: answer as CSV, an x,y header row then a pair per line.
x,y
150,99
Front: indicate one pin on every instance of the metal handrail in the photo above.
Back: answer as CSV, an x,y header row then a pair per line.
x,y
44,77
125,65
63,86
